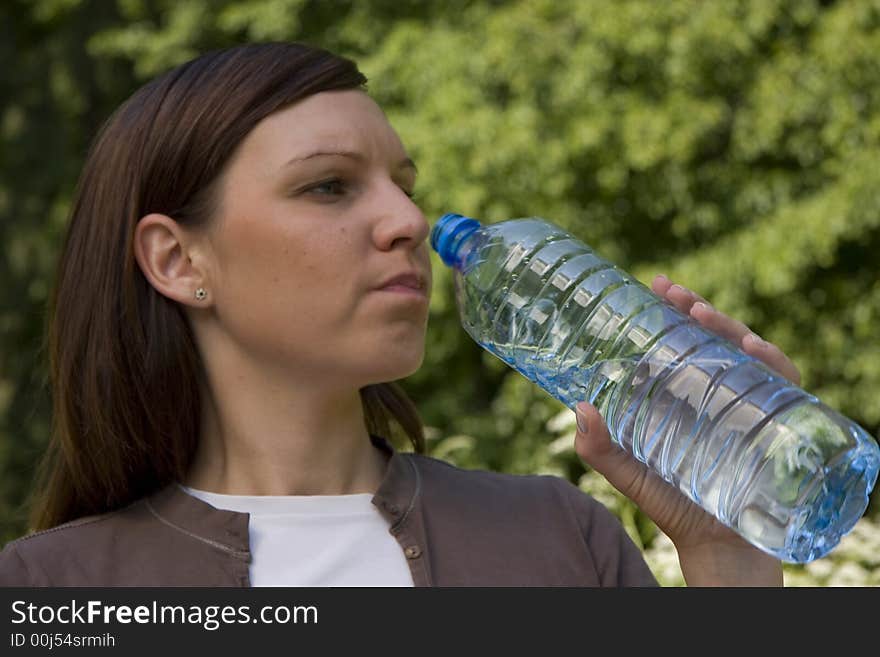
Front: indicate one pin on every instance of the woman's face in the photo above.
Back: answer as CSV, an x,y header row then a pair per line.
x,y
315,215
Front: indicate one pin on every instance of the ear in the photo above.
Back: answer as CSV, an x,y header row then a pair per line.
x,y
170,259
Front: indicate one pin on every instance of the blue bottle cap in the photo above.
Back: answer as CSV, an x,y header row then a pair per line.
x,y
448,234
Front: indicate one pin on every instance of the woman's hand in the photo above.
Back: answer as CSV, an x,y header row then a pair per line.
x,y
709,553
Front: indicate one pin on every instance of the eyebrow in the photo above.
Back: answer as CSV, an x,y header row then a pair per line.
x,y
405,163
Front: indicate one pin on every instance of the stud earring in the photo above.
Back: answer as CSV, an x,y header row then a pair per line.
x,y
201,294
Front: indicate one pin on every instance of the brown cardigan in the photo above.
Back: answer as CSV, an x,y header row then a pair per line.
x,y
456,527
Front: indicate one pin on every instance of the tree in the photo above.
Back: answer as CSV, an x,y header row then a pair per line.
x,y
731,145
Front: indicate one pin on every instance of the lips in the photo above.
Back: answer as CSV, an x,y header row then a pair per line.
x,y
412,280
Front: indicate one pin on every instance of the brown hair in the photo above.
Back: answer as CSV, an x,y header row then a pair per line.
x,y
124,368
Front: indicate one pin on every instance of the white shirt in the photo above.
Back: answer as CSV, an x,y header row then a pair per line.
x,y
316,540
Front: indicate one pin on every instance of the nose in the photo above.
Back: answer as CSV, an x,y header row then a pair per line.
x,y
400,219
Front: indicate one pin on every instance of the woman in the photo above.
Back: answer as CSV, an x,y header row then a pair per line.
x,y
244,276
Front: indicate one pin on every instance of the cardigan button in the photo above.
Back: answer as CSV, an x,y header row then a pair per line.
x,y
413,552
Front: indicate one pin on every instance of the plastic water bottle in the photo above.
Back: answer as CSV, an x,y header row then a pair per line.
x,y
769,460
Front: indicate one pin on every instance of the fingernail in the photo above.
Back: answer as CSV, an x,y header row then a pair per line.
x,y
758,342
676,287
703,306
581,420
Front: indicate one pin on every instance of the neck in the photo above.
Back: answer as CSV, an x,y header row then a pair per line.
x,y
265,437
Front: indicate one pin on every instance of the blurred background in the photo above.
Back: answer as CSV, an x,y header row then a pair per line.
x,y
733,145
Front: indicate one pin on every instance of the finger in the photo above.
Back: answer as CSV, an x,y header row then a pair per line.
x,y
660,284
773,356
694,305
719,323
727,327
746,339
680,295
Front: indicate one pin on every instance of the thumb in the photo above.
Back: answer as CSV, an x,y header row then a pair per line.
x,y
592,441
593,444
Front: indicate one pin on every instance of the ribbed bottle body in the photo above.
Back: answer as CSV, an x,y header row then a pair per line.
x,y
771,461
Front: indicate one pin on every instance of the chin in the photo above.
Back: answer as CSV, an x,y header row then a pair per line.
x,y
384,357
401,372
393,370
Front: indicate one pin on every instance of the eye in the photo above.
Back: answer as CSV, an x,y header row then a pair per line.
x,y
332,187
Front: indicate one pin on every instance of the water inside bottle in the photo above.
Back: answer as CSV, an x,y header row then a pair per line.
x,y
765,457
730,435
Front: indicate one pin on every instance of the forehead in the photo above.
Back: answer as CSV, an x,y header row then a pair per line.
x,y
341,120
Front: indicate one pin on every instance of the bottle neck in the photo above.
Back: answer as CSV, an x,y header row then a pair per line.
x,y
449,234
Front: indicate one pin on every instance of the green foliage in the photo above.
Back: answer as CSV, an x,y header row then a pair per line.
x,y
733,145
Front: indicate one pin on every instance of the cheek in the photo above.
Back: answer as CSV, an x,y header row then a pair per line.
x,y
286,283
264,254
284,287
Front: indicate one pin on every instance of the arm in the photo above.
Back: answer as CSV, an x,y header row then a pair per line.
x,y
709,553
